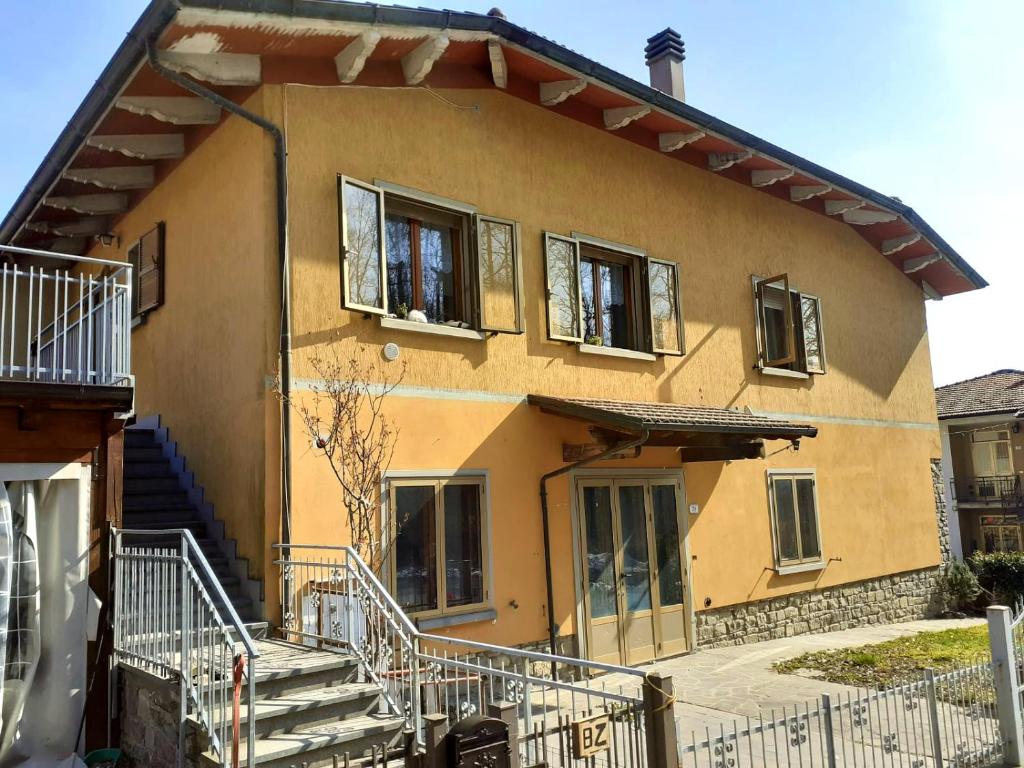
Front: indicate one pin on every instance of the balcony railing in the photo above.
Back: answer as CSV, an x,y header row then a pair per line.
x,y
1001,489
64,319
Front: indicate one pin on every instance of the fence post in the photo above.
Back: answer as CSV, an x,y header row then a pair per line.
x,y
933,715
508,711
436,728
660,721
826,724
1004,668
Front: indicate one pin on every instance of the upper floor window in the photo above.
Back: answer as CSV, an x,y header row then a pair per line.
x,y
415,256
789,332
605,295
795,525
990,453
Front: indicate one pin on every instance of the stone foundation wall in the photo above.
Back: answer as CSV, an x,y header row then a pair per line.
x,y
883,600
941,511
149,713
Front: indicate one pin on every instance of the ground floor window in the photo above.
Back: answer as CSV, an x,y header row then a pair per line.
x,y
1000,533
794,506
439,549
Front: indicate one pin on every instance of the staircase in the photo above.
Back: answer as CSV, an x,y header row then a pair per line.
x,y
312,711
160,494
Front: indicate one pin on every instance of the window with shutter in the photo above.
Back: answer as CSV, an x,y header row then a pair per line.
x,y
147,259
666,317
499,273
789,327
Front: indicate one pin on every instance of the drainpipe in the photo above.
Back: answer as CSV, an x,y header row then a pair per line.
x,y
626,445
281,179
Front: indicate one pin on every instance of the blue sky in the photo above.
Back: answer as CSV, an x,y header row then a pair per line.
x,y
915,98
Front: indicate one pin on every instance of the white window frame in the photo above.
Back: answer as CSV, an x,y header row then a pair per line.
x,y
382,310
802,563
428,477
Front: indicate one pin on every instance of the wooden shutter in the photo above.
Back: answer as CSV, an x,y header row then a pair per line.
x,y
813,339
562,275
499,275
788,355
149,281
663,305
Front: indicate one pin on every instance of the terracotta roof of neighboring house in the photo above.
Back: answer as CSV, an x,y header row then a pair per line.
x,y
671,417
998,392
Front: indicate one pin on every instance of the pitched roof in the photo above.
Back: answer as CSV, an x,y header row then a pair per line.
x,y
690,135
671,417
998,392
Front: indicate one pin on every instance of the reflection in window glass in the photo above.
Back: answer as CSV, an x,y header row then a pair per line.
x,y
664,307
563,289
774,316
399,263
597,506
666,534
636,561
464,566
808,518
607,315
497,275
363,244
785,519
813,359
415,548
438,273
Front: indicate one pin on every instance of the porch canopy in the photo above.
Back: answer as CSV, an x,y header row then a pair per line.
x,y
700,433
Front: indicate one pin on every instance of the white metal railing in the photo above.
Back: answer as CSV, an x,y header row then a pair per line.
x,y
61,324
172,619
331,599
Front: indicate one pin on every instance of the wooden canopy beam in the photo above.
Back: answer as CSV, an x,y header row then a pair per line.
x,y
673,140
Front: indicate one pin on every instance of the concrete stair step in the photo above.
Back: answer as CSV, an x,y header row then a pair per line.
x,y
140,438
145,469
174,500
286,668
137,455
135,486
318,746
165,516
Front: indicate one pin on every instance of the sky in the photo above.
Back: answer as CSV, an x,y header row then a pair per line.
x,y
921,99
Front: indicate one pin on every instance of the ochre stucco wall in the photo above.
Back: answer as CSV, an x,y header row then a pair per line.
x,y
515,160
201,358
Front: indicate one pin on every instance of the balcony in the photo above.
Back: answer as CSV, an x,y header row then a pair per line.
x,y
993,490
65,321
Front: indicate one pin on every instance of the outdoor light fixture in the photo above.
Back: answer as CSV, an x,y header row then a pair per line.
x,y
108,239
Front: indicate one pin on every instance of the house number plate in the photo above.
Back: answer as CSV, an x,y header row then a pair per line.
x,y
590,736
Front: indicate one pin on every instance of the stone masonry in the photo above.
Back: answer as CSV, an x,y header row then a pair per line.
x,y
883,600
941,511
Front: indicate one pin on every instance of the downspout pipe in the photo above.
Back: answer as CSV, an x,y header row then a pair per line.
x,y
626,445
281,183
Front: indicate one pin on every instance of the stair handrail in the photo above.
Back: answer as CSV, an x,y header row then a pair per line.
x,y
170,634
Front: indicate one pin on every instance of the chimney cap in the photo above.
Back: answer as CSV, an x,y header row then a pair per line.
x,y
667,43
497,13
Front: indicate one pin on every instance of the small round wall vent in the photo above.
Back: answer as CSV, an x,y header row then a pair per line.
x,y
391,351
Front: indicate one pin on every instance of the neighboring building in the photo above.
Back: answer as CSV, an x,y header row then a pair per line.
x,y
65,391
983,461
597,264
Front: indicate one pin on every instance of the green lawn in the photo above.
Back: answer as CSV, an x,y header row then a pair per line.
x,y
894,661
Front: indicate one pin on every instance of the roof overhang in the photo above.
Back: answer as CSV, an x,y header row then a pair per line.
x,y
699,432
133,126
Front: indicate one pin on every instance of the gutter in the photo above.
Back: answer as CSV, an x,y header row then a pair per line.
x,y
285,345
617,448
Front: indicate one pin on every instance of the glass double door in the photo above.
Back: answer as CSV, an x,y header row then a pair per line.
x,y
633,568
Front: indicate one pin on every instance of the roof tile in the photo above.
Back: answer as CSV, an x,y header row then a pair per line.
x,y
998,392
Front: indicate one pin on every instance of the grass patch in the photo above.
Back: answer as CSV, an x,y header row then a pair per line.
x,y
895,661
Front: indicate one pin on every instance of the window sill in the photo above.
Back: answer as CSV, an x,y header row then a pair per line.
x,y
455,619
785,570
628,354
395,324
784,373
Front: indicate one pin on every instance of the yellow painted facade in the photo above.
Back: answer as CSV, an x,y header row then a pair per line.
x,y
204,358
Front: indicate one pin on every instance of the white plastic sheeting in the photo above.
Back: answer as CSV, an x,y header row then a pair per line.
x,y
45,633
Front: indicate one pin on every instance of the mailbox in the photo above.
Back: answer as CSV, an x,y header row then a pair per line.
x,y
479,741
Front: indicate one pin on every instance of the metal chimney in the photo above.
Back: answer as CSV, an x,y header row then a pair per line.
x,y
665,54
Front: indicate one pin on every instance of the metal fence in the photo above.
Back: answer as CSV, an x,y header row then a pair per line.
x,y
172,619
65,324
331,599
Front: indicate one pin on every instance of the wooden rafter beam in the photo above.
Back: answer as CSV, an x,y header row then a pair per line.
x,y
916,264
499,69
350,61
87,226
143,146
929,292
560,90
216,68
897,244
719,161
416,64
733,452
670,142
105,203
177,110
115,178
767,177
862,217
839,207
620,117
802,192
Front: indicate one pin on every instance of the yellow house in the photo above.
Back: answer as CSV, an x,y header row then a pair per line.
x,y
662,383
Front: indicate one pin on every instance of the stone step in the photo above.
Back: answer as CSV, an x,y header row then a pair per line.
x,y
138,455
285,668
304,709
143,469
175,500
167,517
138,486
319,746
139,438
